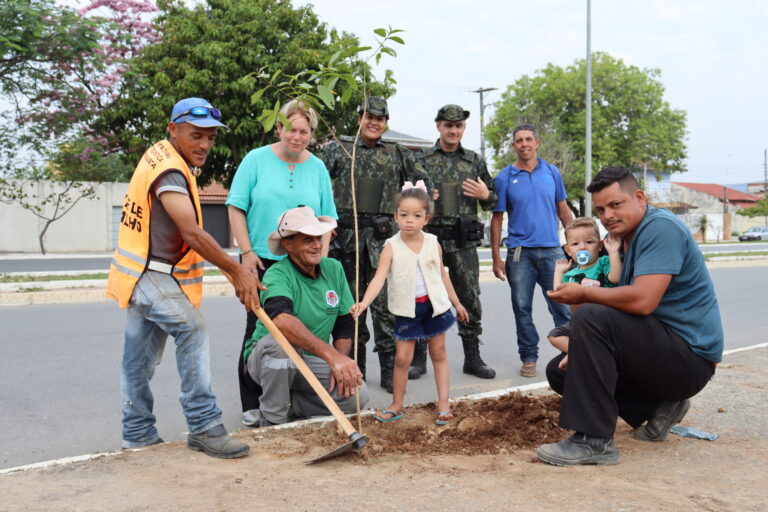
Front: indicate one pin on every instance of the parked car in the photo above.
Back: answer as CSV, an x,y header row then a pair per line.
x,y
760,233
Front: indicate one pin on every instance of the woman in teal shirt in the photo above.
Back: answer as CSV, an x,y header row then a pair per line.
x,y
269,181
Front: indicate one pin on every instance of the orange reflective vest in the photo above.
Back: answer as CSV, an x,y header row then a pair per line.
x,y
131,257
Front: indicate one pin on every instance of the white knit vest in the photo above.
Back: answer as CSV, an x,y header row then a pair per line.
x,y
401,280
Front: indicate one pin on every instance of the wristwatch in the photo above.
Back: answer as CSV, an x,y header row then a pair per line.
x,y
246,252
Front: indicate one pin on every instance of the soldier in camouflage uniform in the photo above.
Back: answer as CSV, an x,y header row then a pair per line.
x,y
464,184
380,170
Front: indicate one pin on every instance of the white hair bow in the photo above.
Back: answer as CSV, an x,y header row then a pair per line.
x,y
419,184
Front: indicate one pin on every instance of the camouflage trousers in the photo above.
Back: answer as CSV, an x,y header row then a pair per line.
x,y
464,271
383,321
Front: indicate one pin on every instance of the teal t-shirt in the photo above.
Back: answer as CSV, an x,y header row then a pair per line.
x,y
662,244
316,302
597,274
264,187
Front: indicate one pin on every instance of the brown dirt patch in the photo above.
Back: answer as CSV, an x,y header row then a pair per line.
x,y
484,427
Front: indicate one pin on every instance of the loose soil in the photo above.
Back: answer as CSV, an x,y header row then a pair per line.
x,y
484,427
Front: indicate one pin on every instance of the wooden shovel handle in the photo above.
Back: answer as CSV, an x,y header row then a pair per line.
x,y
305,371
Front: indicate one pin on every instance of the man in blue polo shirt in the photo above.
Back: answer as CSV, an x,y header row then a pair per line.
x,y
532,194
639,350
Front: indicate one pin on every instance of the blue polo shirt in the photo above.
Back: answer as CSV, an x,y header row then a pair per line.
x,y
662,244
530,200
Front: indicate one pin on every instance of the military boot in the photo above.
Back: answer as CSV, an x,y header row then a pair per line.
x,y
387,362
419,363
473,363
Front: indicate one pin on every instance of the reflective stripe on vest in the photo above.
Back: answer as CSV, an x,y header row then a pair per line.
x,y
129,261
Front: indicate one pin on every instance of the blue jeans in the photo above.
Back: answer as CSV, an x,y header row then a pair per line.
x,y
159,308
534,265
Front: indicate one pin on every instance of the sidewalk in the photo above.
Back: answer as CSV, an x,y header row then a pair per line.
x,y
679,474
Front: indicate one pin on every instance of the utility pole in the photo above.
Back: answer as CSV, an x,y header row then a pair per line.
x,y
588,130
481,91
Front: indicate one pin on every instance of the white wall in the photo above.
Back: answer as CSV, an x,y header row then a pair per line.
x,y
86,228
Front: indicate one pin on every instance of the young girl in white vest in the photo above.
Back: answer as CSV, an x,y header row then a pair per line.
x,y
420,295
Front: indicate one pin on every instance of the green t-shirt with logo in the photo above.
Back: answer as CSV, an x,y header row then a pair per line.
x,y
317,303
595,275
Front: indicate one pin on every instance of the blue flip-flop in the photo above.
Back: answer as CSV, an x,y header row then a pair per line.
x,y
442,422
395,416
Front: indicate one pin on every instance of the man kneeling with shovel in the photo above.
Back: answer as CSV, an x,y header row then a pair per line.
x,y
308,299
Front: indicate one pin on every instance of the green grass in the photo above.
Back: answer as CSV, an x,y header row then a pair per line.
x,y
32,289
745,253
67,277
52,277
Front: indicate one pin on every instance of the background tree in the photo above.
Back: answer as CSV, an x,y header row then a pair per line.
x,y
212,51
632,125
760,209
46,199
34,35
59,68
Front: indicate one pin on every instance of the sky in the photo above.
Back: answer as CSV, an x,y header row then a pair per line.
x,y
713,58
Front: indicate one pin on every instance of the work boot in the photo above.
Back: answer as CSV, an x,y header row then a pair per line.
x,y
419,363
217,443
667,415
528,369
473,363
387,362
580,449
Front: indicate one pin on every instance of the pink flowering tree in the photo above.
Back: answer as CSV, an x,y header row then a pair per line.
x,y
60,68
78,85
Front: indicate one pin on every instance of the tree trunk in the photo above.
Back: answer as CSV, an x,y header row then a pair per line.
x,y
42,234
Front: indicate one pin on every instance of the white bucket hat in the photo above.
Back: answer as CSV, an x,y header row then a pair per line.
x,y
298,220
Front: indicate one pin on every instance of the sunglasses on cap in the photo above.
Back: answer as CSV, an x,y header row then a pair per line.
x,y
200,112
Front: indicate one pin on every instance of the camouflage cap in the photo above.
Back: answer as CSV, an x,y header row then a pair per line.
x,y
452,113
376,105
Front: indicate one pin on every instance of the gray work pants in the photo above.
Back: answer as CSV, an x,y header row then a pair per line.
x,y
287,395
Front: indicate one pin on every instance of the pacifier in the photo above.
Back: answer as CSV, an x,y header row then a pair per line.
x,y
582,257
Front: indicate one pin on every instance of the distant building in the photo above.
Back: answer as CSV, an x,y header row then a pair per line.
x,y
692,202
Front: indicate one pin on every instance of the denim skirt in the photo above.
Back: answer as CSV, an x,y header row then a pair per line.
x,y
423,325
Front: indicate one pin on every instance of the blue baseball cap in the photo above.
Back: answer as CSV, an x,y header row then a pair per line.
x,y
197,112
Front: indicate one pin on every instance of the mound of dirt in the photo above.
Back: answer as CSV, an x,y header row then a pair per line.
x,y
484,427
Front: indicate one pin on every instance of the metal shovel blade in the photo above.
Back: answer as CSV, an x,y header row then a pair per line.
x,y
356,441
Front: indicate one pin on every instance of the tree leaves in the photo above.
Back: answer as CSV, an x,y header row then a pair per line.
x,y
243,57
632,125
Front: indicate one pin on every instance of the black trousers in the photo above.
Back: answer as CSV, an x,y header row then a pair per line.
x,y
250,391
622,365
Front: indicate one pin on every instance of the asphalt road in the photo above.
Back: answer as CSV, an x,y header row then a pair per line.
x,y
59,365
100,263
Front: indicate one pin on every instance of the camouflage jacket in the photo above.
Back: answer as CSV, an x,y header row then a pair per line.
x,y
455,167
391,163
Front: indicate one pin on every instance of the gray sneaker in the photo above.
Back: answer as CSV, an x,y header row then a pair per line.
x,y
580,449
667,415
217,443
252,418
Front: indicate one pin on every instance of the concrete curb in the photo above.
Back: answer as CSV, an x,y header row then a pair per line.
x,y
293,425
